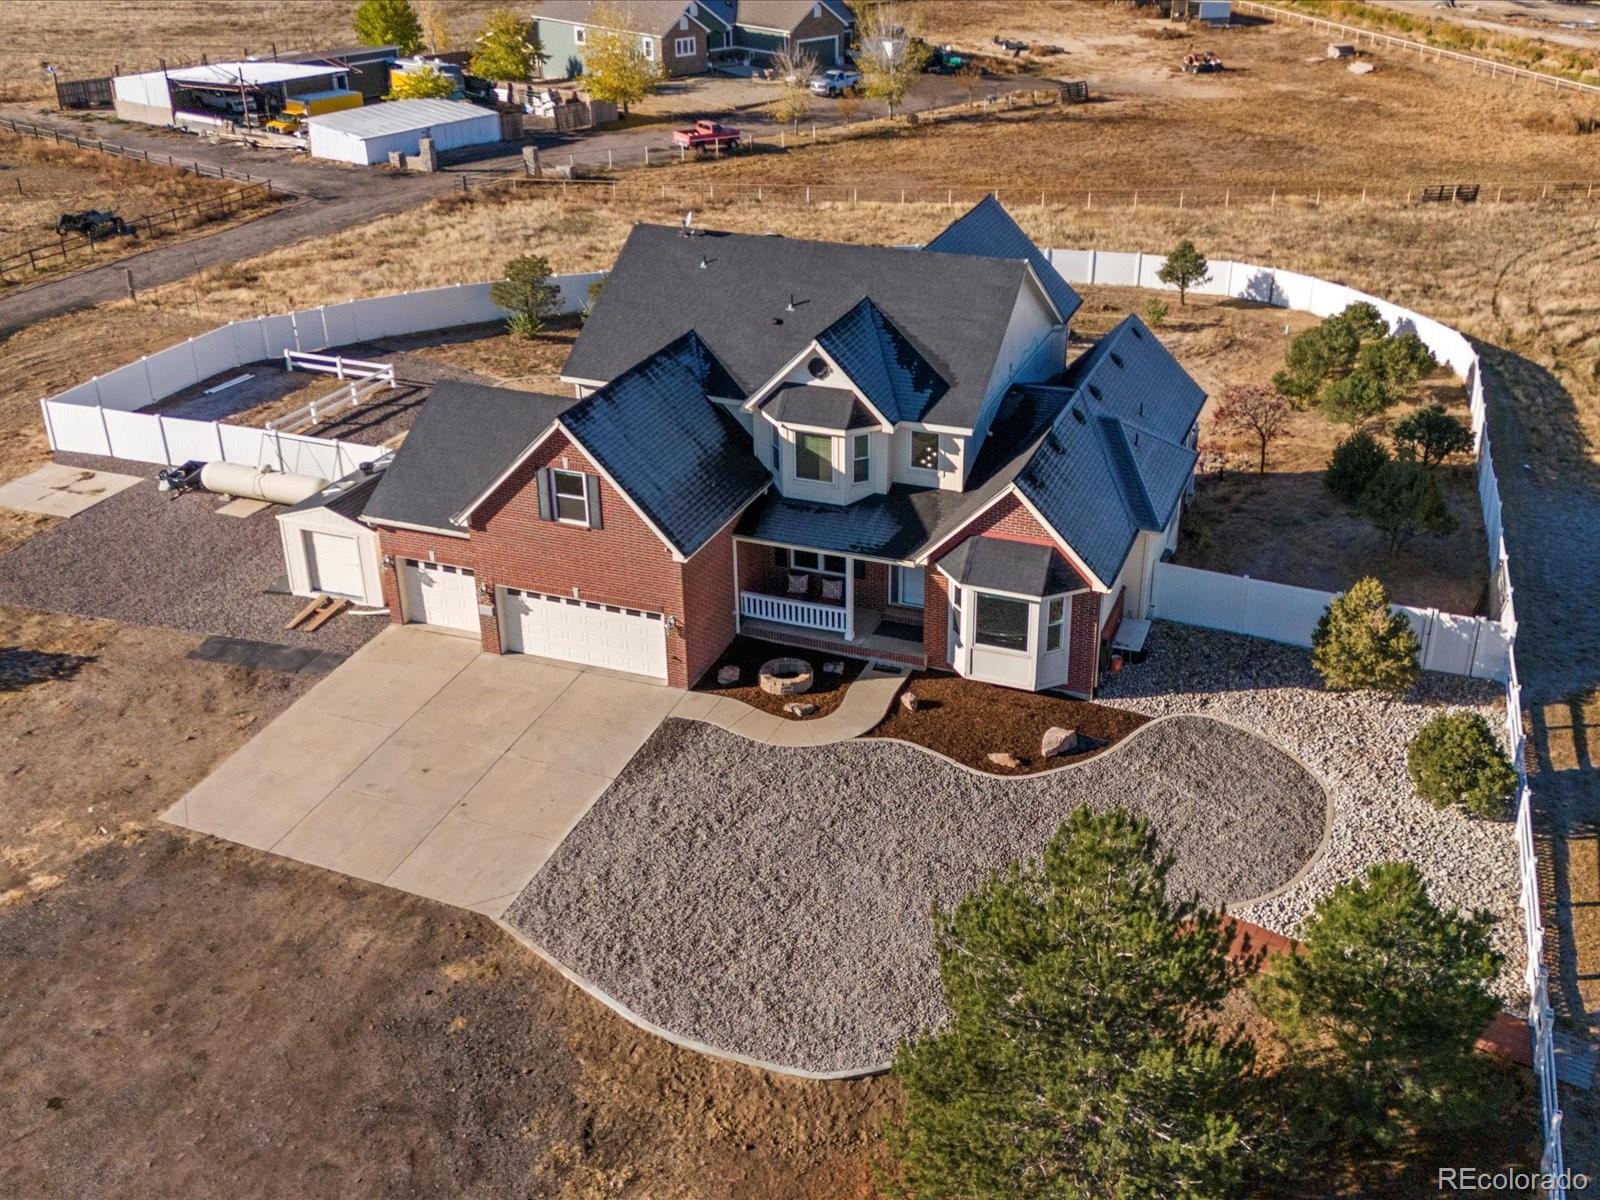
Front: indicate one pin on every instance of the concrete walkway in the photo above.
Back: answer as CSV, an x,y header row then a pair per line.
x,y
864,704
424,764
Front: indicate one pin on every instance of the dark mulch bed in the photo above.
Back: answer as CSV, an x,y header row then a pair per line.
x,y
968,721
827,691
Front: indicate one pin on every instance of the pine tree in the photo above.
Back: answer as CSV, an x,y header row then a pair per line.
x,y
507,51
1384,1006
527,293
1360,643
1431,435
1455,759
1184,268
388,23
1080,1061
1405,499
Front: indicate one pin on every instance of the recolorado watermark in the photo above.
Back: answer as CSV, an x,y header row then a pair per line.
x,y
1475,1179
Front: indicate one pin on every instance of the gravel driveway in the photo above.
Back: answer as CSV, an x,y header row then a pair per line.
x,y
774,902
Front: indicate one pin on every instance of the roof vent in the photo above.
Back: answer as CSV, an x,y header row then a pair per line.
x,y
1094,390
1077,415
790,306
777,320
1136,331
818,368
705,262
1115,357
1135,437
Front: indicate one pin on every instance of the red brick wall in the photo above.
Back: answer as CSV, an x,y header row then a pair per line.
x,y
872,590
936,619
1083,660
706,597
411,543
1006,518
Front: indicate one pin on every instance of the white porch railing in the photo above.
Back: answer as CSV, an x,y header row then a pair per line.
x,y
831,618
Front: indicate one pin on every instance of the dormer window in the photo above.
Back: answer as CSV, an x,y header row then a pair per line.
x,y
925,451
813,457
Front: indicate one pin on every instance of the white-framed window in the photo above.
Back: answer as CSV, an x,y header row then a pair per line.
x,y
907,586
777,453
1000,622
822,564
650,49
571,497
1055,623
924,450
579,34
863,458
813,457
683,47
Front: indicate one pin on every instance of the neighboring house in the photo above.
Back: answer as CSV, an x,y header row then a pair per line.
x,y
821,28
871,450
669,34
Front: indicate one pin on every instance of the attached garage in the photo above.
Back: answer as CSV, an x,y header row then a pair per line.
x,y
327,551
440,594
583,631
825,50
369,135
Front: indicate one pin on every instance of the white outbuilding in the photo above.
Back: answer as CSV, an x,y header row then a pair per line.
x,y
327,551
369,135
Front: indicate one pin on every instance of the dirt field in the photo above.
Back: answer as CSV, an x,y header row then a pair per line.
x,y
40,180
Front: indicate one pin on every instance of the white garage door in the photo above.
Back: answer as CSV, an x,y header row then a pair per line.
x,y
825,50
333,563
439,594
581,631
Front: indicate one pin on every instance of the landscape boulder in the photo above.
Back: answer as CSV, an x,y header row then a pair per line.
x,y
799,709
1002,758
833,668
1058,741
728,676
908,701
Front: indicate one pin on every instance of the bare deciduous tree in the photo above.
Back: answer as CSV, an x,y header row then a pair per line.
x,y
1254,409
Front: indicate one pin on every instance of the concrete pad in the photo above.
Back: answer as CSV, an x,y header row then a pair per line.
x,y
379,693
491,715
602,750
758,726
728,712
695,705
313,746
595,700
357,834
424,772
254,807
531,797
518,670
241,506
420,646
464,862
794,733
55,490
495,908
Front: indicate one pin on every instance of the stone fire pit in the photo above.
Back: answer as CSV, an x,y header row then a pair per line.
x,y
785,676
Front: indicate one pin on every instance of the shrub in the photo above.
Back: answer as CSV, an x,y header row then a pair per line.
x,y
1399,361
1361,644
1184,268
1155,312
425,83
1355,462
1455,759
1385,1004
1357,397
1405,499
1430,435
527,293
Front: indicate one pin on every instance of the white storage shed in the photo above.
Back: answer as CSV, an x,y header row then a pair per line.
x,y
327,551
369,135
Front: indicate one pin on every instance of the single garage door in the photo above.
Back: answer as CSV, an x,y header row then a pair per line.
x,y
581,631
825,50
333,563
440,594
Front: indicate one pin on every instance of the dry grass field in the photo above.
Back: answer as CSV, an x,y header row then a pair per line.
x,y
41,180
136,35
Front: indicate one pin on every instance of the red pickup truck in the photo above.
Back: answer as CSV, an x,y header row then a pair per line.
x,y
707,135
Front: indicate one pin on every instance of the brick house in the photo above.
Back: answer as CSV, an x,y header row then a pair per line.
x,y
882,452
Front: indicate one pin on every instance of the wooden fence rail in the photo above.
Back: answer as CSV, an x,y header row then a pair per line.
x,y
44,134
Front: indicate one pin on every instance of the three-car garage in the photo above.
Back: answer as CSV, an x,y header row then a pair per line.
x,y
584,632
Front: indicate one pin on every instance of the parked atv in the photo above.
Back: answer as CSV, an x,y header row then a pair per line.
x,y
94,225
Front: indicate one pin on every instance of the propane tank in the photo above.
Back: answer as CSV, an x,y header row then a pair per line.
x,y
259,483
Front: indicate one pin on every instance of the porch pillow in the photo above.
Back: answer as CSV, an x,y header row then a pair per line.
x,y
833,589
799,583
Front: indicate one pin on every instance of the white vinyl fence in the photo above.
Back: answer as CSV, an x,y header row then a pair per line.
x,y
104,417
1484,647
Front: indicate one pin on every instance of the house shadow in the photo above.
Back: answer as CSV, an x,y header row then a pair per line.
x,y
21,668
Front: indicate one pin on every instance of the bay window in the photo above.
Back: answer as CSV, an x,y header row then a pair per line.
x,y
813,457
1000,622
1055,623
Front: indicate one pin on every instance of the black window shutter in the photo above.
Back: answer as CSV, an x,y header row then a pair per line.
x,y
780,556
592,484
541,479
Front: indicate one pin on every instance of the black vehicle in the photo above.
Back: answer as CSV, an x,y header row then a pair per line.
x,y
93,224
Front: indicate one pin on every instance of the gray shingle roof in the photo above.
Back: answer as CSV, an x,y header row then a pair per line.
x,y
785,14
988,230
1130,375
882,362
678,456
819,407
952,308
1007,565
465,436
346,496
637,16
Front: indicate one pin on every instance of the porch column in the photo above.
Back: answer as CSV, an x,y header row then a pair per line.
x,y
849,599
738,592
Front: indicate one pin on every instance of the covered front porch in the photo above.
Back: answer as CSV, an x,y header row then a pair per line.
x,y
864,608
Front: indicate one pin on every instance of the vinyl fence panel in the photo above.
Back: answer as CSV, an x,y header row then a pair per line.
x,y
190,440
136,436
77,428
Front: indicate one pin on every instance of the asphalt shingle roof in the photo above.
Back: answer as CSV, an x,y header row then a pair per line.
x,y
347,496
785,14
463,439
1007,565
882,362
952,309
686,463
988,230
818,407
637,16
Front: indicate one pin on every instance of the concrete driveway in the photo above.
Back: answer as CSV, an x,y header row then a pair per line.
x,y
424,764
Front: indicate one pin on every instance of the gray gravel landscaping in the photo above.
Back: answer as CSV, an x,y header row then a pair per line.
x,y
774,902
1355,742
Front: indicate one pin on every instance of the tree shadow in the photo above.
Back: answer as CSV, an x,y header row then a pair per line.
x,y
21,668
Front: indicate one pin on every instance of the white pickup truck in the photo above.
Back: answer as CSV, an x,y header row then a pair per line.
x,y
835,82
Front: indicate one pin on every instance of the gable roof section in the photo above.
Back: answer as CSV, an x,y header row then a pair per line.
x,y
786,14
819,407
463,439
953,309
638,16
346,496
720,11
899,381
988,230
684,462
1132,376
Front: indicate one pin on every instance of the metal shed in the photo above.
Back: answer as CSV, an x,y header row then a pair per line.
x,y
370,135
327,551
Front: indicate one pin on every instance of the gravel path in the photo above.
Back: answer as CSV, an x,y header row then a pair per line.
x,y
774,902
1356,744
